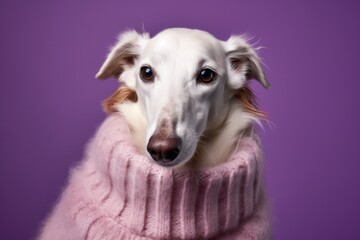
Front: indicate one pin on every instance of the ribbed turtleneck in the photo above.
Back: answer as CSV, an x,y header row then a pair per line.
x,y
117,193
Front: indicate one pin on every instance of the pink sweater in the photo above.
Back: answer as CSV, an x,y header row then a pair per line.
x,y
116,193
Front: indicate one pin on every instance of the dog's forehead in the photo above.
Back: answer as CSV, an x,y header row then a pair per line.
x,y
191,44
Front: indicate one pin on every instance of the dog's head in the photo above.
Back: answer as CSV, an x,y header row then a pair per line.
x,y
184,79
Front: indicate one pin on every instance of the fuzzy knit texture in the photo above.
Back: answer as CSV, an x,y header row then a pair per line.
x,y
117,193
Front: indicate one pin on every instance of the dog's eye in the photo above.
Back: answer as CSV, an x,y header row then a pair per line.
x,y
146,74
206,76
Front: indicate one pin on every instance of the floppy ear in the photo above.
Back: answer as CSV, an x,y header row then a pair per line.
x,y
243,63
123,56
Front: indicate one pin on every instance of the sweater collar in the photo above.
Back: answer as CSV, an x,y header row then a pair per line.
x,y
152,201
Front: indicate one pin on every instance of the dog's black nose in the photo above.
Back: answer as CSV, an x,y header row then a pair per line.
x,y
164,150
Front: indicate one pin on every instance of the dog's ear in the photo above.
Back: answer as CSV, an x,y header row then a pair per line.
x,y
123,56
243,63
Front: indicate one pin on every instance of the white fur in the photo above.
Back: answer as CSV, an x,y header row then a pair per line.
x,y
198,109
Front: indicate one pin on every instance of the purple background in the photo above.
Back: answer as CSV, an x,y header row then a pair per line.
x,y
50,100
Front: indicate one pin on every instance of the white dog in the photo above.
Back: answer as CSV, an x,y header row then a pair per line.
x,y
185,104
192,90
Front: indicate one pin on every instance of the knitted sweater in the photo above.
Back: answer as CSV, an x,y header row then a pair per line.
x,y
117,193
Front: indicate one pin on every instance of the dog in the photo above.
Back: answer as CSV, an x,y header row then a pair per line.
x,y
185,94
178,156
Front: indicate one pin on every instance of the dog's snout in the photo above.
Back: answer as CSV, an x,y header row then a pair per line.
x,y
164,149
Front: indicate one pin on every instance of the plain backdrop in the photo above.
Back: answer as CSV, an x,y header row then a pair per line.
x,y
50,100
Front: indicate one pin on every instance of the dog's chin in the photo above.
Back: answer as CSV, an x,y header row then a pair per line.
x,y
166,163
170,164
177,162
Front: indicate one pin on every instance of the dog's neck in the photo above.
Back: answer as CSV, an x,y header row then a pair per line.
x,y
216,144
146,200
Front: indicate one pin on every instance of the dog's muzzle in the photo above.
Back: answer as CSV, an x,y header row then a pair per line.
x,y
164,150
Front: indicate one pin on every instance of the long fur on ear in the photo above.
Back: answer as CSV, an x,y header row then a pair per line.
x,y
122,94
243,63
248,100
122,56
